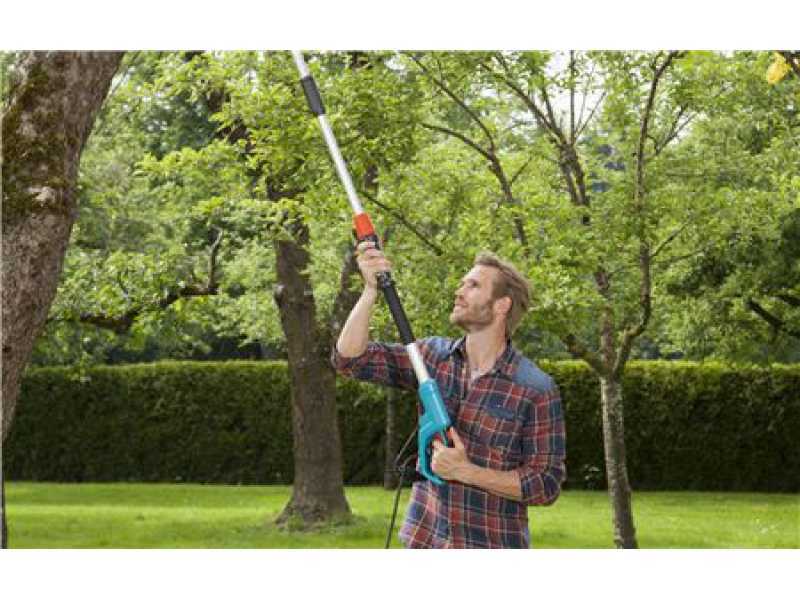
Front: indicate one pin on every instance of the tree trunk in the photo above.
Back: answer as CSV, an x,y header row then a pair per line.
x,y
390,476
619,489
51,106
318,492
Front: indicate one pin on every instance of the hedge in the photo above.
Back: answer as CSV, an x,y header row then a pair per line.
x,y
688,426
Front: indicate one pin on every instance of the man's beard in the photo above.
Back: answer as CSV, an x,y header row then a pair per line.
x,y
470,318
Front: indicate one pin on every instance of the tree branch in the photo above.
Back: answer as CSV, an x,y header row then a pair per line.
x,y
469,142
463,105
406,223
669,239
776,323
583,102
643,132
122,323
579,350
677,259
568,159
789,299
520,170
551,114
541,119
572,97
497,170
673,132
645,287
591,114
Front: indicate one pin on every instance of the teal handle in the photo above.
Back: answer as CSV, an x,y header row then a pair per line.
x,y
434,419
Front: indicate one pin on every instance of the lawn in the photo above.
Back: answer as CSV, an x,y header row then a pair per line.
x,y
45,515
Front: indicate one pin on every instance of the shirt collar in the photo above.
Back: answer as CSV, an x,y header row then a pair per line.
x,y
457,346
506,364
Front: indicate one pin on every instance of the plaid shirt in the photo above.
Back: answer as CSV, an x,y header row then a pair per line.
x,y
509,418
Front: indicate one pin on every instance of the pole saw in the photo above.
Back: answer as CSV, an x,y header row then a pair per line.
x,y
434,419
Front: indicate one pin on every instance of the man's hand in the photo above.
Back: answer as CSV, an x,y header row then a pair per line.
x,y
371,261
451,463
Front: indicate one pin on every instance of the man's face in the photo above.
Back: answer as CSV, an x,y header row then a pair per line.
x,y
473,307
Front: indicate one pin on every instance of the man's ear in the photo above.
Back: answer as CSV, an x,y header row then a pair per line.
x,y
503,304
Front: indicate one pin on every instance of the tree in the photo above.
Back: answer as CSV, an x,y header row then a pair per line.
x,y
132,279
52,102
140,270
281,206
737,298
598,194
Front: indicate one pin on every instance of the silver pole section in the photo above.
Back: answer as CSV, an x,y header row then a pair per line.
x,y
341,168
333,147
417,363
301,63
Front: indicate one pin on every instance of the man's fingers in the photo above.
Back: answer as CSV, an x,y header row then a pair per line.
x,y
456,439
371,255
378,263
364,247
371,262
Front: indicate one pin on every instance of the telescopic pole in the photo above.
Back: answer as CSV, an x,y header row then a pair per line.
x,y
434,419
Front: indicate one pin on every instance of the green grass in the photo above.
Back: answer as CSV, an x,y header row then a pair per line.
x,y
44,515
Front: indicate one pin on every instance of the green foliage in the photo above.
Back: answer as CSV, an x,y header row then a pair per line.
x,y
225,422
154,195
190,145
702,186
688,426
736,161
136,240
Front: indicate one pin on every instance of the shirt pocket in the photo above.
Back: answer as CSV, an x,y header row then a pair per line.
x,y
500,430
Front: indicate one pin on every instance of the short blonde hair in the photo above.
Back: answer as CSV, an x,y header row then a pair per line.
x,y
508,282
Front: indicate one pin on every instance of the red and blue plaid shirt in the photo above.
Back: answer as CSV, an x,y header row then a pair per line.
x,y
509,418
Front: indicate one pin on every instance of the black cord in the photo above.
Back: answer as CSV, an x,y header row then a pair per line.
x,y
401,469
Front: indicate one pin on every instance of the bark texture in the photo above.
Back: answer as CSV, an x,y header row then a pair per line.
x,y
51,107
48,119
619,489
318,491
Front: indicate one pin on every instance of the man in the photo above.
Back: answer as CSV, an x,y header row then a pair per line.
x,y
508,444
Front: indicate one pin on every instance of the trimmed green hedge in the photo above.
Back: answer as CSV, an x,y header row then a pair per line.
x,y
688,426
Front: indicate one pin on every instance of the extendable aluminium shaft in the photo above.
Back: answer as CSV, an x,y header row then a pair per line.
x,y
315,103
434,419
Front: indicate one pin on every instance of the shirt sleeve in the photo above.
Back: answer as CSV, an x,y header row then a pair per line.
x,y
544,450
385,364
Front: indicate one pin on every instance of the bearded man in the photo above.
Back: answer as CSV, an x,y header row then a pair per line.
x,y
508,442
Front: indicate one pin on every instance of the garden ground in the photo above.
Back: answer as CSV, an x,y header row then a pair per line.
x,y
123,515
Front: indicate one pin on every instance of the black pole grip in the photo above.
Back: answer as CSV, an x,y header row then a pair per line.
x,y
312,95
396,308
386,284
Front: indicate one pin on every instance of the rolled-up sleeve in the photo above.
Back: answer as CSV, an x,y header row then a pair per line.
x,y
544,450
385,364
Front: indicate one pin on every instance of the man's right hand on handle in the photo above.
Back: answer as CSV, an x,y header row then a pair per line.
x,y
371,261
